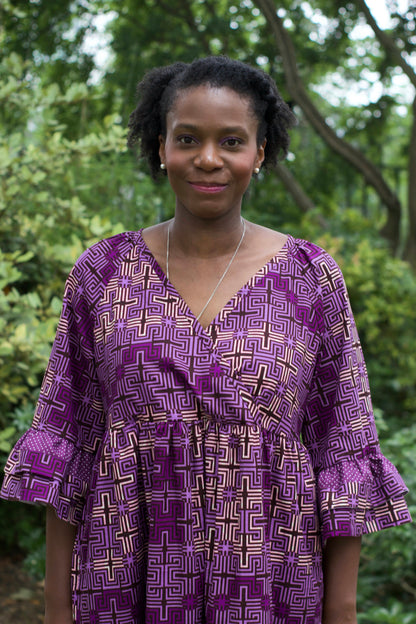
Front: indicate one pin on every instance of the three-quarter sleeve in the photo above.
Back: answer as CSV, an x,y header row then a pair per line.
x,y
358,490
52,463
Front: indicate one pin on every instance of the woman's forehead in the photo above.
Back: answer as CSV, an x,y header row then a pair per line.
x,y
211,102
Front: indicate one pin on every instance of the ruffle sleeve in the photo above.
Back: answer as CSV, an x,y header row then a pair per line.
x,y
43,468
52,462
358,490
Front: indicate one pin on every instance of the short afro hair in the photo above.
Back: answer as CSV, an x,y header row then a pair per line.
x,y
160,86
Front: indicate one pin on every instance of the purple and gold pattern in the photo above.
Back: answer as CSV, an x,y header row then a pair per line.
x,y
205,468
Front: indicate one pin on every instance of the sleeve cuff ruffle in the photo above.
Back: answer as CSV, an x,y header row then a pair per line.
x,y
361,496
46,469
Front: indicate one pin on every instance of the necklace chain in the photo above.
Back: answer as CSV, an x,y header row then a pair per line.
x,y
222,276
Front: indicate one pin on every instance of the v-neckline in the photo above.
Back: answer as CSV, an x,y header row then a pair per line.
x,y
231,303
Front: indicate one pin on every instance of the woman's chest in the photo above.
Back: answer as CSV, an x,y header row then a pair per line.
x,y
265,338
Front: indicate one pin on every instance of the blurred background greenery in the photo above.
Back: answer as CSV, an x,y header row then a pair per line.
x,y
68,72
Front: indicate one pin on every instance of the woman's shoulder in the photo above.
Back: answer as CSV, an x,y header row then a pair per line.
x,y
108,247
108,250
308,252
100,261
316,264
301,251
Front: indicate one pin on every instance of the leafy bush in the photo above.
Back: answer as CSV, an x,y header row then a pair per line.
x,y
388,562
393,613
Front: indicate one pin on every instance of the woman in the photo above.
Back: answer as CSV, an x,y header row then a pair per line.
x,y
204,437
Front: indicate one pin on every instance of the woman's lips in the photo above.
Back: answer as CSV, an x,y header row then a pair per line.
x,y
208,187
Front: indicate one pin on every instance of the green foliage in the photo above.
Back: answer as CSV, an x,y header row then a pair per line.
x,y
394,613
32,541
43,227
22,530
50,33
389,557
6,436
384,297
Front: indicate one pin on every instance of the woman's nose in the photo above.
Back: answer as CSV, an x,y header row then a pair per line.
x,y
208,157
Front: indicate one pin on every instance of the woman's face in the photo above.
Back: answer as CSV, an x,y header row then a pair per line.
x,y
210,150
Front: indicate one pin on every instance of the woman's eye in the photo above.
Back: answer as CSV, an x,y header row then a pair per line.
x,y
186,140
231,142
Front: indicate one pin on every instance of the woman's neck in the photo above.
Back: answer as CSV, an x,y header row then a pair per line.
x,y
205,238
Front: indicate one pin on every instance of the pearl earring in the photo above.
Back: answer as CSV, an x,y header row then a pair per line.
x,y
256,170
162,166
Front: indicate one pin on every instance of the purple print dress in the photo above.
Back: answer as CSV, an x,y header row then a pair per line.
x,y
205,468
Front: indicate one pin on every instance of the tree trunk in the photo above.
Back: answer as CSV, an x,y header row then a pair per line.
x,y
352,155
389,44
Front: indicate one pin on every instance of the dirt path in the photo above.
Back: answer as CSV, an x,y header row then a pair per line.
x,y
21,598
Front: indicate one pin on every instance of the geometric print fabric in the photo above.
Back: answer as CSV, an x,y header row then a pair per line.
x,y
205,468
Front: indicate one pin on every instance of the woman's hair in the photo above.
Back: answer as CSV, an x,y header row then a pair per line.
x,y
160,86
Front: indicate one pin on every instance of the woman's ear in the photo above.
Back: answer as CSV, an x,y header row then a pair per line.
x,y
162,144
260,154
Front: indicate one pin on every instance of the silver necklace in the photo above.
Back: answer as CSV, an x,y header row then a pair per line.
x,y
222,276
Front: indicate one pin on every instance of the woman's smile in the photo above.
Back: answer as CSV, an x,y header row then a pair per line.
x,y
208,187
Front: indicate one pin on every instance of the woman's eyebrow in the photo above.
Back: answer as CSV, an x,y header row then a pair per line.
x,y
223,130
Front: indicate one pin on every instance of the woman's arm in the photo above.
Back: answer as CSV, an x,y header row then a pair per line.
x,y
60,538
341,560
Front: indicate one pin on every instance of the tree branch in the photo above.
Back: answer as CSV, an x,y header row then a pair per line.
x,y
411,590
351,154
410,250
387,42
296,191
